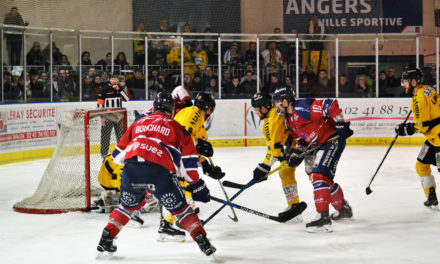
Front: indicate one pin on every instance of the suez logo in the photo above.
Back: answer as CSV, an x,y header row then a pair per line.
x,y
136,145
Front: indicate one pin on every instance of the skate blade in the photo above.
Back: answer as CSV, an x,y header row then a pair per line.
x,y
168,238
321,229
434,208
212,258
134,224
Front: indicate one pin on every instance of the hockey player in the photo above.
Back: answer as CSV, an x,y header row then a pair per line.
x,y
425,106
181,97
318,123
193,119
153,150
111,96
276,135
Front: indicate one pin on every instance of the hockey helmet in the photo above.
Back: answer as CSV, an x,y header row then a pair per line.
x,y
409,75
261,99
163,102
284,93
204,101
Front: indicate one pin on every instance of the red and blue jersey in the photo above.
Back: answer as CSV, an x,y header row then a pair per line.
x,y
160,139
311,121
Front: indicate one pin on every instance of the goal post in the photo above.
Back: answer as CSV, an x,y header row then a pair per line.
x,y
71,177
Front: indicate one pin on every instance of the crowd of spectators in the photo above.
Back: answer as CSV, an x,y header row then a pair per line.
x,y
200,63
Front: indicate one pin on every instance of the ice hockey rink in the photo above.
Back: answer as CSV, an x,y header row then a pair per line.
x,y
390,225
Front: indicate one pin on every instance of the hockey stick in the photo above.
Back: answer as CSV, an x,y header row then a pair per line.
x,y
368,189
281,218
249,184
235,218
308,151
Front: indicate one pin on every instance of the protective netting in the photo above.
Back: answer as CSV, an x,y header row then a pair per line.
x,y
63,186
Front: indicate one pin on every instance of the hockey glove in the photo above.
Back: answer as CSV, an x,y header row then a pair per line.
x,y
199,191
261,171
343,129
294,159
405,129
204,148
213,172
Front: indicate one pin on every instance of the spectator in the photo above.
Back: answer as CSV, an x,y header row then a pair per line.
x,y
137,85
121,60
210,46
272,58
196,84
104,78
271,86
187,28
232,56
66,87
431,78
107,62
89,93
92,73
392,81
250,68
212,88
362,87
310,75
226,78
13,88
34,57
249,86
232,89
14,41
200,57
383,84
46,84
291,54
65,63
322,87
209,74
54,85
163,25
317,29
187,80
173,57
56,54
288,82
139,45
250,57
97,85
35,88
344,88
85,58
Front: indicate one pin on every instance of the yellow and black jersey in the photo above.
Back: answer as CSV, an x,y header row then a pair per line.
x,y
192,119
275,135
425,106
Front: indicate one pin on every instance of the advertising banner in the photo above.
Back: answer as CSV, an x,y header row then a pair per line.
x,y
355,16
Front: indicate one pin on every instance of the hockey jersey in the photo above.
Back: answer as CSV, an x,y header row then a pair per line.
x,y
425,106
311,121
275,135
192,119
159,139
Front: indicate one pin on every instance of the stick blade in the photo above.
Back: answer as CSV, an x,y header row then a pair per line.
x,y
368,190
233,185
293,212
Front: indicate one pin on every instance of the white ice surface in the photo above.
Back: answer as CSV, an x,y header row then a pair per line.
x,y
390,225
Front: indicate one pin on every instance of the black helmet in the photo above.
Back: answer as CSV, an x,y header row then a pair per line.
x,y
204,101
284,93
163,102
261,99
415,74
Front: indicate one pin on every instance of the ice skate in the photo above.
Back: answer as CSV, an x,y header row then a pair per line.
x,y
345,212
322,223
106,242
432,202
169,234
204,244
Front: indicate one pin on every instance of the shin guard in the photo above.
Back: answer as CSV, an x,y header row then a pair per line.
x,y
321,191
189,221
337,197
117,220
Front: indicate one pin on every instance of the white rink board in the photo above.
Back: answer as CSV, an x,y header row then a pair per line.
x,y
33,126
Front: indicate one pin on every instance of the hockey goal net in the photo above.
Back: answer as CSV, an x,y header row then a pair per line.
x,y
70,179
